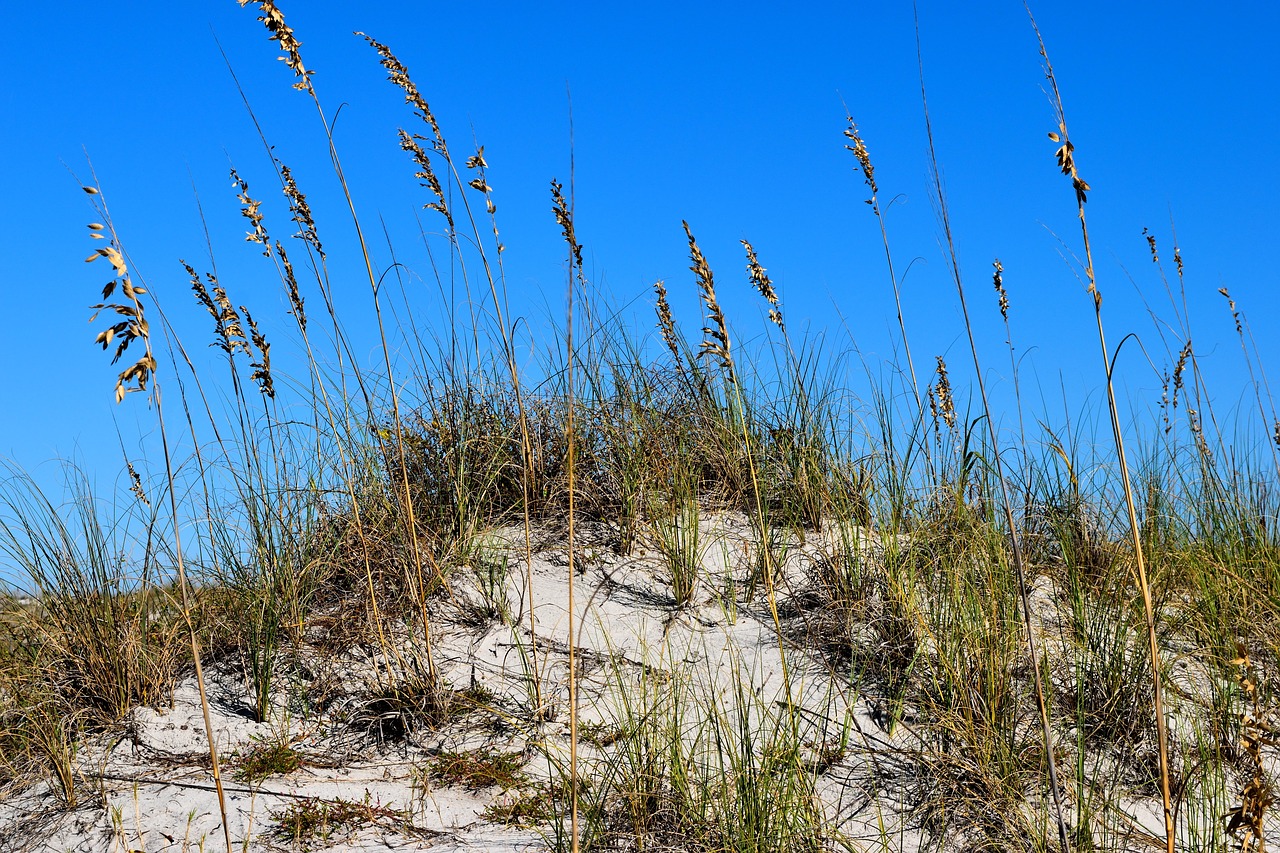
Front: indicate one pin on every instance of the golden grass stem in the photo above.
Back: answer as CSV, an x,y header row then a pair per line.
x,y
136,328
1006,499
1066,162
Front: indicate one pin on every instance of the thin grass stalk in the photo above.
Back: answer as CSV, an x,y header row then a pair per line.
x,y
135,378
564,216
399,75
859,150
1066,162
273,19
308,235
717,345
1238,317
1007,502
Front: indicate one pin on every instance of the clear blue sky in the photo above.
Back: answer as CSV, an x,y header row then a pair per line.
x,y
729,119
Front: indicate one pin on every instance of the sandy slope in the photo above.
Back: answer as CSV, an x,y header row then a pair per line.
x,y
148,787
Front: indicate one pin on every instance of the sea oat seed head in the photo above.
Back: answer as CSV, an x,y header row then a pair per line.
x,y
946,404
273,19
666,325
762,283
998,278
716,342
859,149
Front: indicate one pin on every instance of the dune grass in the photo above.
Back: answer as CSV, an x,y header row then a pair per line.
x,y
1052,632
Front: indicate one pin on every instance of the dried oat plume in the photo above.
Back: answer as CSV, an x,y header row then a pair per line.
x,y
134,325
426,174
997,278
300,211
227,328
136,483
564,218
716,342
762,283
859,149
273,19
666,324
262,367
397,73
249,209
941,401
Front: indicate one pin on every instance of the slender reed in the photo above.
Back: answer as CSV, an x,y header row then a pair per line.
x,y
134,378
1067,163
1006,498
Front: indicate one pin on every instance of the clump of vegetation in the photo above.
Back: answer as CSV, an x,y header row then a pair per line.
x,y
311,821
478,768
1043,630
267,758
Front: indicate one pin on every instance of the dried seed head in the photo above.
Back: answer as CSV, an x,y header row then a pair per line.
x,y
998,278
398,74
666,325
296,301
249,210
1235,315
230,335
1067,163
564,216
426,174
760,280
1151,244
132,328
860,153
942,391
262,367
136,486
716,340
273,19
301,212
1179,370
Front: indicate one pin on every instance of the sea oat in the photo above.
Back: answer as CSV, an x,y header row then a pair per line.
x,y
998,279
859,149
136,481
249,209
1235,314
1179,371
398,74
716,342
262,367
762,283
227,326
296,302
273,19
300,212
124,332
426,174
666,325
946,403
564,217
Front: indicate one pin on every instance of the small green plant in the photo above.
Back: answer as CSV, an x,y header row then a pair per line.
x,y
481,768
267,758
311,821
527,808
679,539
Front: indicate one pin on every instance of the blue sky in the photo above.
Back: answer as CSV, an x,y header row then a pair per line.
x,y
732,121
